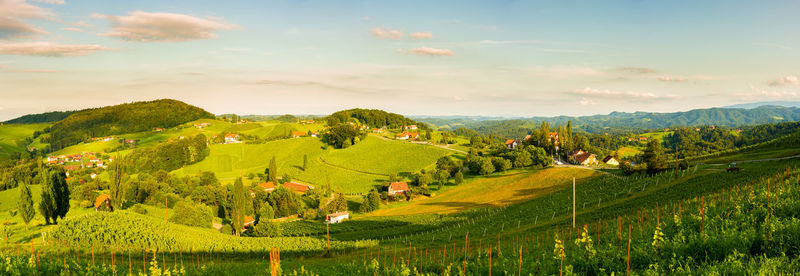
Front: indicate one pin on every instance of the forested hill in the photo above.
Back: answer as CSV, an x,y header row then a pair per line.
x,y
123,118
373,118
730,117
46,117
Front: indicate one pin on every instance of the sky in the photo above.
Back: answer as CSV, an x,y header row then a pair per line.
x,y
496,58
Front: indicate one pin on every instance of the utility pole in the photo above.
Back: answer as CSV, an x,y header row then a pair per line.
x,y
573,203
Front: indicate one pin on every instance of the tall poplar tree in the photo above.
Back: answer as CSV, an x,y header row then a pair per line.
x,y
117,183
237,212
25,205
273,170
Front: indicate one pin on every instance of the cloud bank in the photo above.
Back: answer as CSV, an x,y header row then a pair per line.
x,y
49,49
629,95
387,33
167,27
12,16
427,51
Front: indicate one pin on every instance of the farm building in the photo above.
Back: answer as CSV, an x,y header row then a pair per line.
x,y
411,127
610,160
248,223
103,203
586,159
337,217
267,186
297,187
297,134
512,144
231,138
397,188
407,136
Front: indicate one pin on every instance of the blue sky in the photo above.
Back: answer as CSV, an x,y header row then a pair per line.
x,y
508,58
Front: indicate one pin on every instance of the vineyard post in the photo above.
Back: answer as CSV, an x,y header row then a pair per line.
x,y
466,246
65,262
166,210
130,265
658,215
328,231
144,261
573,203
92,259
628,268
490,260
519,268
394,255
703,214
113,269
444,255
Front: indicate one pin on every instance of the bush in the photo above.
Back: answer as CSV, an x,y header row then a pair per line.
x,y
139,208
226,229
86,204
310,214
267,229
191,214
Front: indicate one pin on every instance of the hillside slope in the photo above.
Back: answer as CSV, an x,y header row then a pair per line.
x,y
123,118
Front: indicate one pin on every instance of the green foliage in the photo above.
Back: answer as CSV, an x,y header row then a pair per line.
x,y
238,206
338,204
285,202
267,228
25,205
124,118
654,156
55,196
459,178
265,212
373,118
272,171
46,117
189,213
341,136
168,156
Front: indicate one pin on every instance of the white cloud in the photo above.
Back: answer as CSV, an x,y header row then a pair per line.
x,y
585,101
56,2
421,35
73,29
426,51
49,49
387,33
147,27
628,95
759,93
787,80
637,70
672,79
12,16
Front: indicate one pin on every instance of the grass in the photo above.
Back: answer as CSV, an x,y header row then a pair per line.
x,y
231,161
11,134
625,152
378,156
492,192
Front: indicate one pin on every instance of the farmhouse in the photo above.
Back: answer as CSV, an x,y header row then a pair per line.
x,y
297,187
297,134
411,127
248,222
512,144
103,203
397,188
158,129
202,125
576,152
232,138
407,136
93,175
267,186
337,217
586,159
610,160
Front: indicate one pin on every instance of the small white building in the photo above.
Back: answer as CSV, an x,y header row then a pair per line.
x,y
337,217
231,138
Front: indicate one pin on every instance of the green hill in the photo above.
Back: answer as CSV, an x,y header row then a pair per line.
x,y
47,117
373,118
14,137
123,118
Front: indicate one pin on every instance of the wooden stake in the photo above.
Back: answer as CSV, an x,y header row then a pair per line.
x,y
490,260
628,269
573,203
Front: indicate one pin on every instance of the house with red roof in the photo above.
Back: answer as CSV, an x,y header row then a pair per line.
x,y
610,160
512,144
267,186
586,159
297,134
232,138
103,203
297,187
397,188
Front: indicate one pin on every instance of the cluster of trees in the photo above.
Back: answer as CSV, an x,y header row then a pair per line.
x,y
373,118
342,136
118,119
47,117
520,157
54,199
168,156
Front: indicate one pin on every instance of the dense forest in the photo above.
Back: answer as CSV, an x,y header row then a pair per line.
x,y
47,117
373,118
168,156
123,118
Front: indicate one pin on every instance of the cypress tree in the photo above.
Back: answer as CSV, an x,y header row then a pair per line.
x,y
459,178
305,161
118,185
47,205
237,212
273,170
25,205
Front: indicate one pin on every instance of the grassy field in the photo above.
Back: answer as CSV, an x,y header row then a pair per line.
x,y
11,134
625,152
494,191
234,160
378,156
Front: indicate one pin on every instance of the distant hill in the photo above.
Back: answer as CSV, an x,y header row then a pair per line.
x,y
46,117
123,118
760,104
373,118
730,117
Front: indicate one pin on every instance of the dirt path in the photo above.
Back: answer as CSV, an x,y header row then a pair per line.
x,y
755,160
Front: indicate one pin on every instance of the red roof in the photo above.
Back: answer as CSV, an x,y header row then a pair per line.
x,y
100,199
231,135
510,141
300,188
399,186
299,133
267,186
582,157
248,220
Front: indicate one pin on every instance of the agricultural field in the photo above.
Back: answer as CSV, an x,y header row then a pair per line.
x,y
378,156
625,152
12,137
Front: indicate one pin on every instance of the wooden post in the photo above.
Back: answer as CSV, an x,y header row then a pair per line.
x,y
92,259
628,269
130,265
573,203
490,260
519,268
166,210
328,231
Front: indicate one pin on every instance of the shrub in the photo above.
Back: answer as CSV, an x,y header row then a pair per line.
x,y
86,204
191,214
139,208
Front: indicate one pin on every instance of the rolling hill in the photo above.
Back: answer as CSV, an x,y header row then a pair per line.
x,y
123,118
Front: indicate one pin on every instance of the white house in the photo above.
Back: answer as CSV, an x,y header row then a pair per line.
x,y
231,138
512,144
337,217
